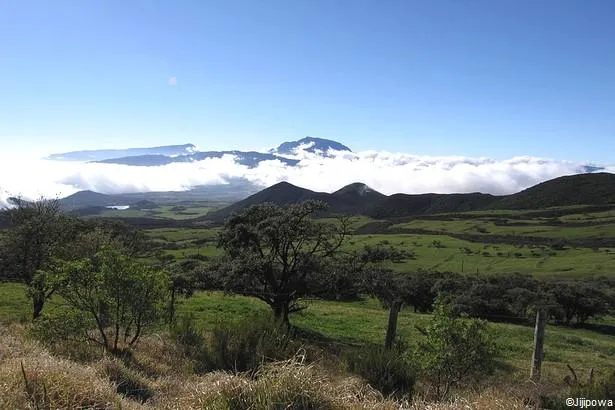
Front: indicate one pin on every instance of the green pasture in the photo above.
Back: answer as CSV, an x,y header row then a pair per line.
x,y
183,234
444,253
533,228
366,321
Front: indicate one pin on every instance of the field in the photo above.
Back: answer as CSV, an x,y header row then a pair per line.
x,y
487,242
365,322
178,212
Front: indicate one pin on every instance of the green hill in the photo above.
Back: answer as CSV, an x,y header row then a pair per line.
x,y
582,189
358,198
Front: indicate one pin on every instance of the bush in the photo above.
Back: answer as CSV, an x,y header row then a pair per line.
x,y
121,296
191,342
239,347
385,370
244,346
455,350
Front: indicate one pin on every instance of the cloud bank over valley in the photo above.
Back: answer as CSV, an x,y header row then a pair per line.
x,y
32,177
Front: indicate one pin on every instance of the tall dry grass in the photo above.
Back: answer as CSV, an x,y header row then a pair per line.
x,y
49,382
31,378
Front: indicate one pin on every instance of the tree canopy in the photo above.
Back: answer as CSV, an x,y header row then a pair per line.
x,y
279,254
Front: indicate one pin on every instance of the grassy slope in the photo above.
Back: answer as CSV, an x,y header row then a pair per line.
x,y
365,322
163,211
529,228
445,253
449,254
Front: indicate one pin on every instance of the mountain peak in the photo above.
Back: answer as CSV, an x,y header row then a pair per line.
x,y
357,188
310,144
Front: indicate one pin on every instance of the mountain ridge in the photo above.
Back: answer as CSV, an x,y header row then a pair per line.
x,y
107,154
580,189
164,155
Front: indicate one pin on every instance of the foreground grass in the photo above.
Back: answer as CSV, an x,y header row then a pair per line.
x,y
365,322
31,378
163,373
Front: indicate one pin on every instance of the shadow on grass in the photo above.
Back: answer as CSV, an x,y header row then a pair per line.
x,y
605,329
318,339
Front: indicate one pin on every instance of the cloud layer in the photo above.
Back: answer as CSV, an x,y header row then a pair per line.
x,y
384,171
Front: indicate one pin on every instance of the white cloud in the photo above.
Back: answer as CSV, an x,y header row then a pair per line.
x,y
384,171
172,81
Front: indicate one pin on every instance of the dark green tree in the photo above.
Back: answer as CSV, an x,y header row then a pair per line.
x,y
38,233
278,254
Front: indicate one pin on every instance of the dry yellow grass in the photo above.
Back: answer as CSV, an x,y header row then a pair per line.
x,y
277,385
55,383
30,378
488,400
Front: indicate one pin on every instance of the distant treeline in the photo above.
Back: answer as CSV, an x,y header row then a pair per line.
x,y
508,298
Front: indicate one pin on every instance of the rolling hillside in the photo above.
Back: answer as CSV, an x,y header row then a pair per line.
x,y
357,198
582,189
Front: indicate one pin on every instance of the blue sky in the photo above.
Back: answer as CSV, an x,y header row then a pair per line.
x,y
495,78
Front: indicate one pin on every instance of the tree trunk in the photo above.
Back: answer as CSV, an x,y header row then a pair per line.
x,y
392,327
38,303
280,308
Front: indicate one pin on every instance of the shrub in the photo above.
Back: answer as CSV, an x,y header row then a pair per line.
x,y
191,342
454,350
236,347
244,346
384,369
598,390
603,389
121,296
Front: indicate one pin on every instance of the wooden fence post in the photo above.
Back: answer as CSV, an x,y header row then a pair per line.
x,y
539,341
392,328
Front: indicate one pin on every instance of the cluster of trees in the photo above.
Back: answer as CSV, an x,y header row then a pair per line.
x,y
110,294
511,297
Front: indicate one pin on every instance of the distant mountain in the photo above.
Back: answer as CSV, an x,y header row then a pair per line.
x,y
234,190
357,198
84,199
281,194
102,155
158,156
151,160
590,169
310,144
249,158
